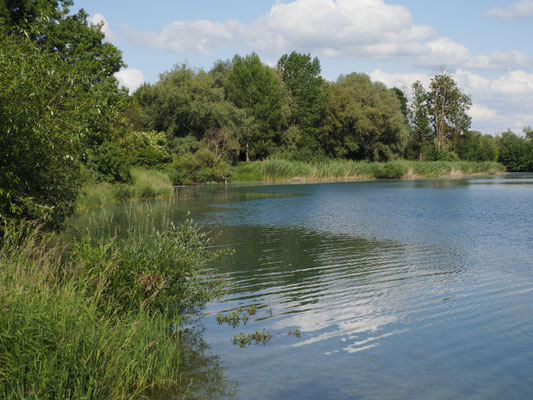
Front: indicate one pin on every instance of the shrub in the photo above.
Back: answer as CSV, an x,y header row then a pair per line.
x,y
389,170
110,162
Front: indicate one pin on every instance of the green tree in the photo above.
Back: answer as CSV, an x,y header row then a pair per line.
x,y
516,152
364,120
255,88
301,75
448,110
46,107
420,119
473,146
185,103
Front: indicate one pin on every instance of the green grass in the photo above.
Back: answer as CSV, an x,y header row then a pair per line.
x,y
95,318
147,184
280,169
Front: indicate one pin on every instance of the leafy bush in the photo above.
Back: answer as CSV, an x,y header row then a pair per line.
x,y
201,166
146,148
110,162
39,133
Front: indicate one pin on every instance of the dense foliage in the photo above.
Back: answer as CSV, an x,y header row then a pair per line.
x,y
58,103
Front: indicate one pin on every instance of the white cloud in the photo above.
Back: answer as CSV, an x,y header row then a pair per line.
x,y
482,113
446,51
519,9
334,29
130,78
201,36
99,18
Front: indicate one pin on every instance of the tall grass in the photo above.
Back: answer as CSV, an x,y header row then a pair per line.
x,y
147,184
73,328
280,169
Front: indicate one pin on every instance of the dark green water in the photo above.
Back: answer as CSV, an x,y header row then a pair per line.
x,y
400,290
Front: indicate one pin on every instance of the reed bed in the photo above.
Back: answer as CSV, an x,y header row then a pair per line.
x,y
147,184
280,169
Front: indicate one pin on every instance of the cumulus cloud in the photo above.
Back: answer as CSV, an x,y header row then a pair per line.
x,y
482,113
130,78
334,29
195,36
100,19
517,10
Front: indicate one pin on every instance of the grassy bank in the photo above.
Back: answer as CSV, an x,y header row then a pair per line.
x,y
147,184
278,169
96,318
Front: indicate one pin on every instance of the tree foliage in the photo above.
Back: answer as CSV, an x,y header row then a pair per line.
x,y
364,120
58,99
301,75
255,88
516,152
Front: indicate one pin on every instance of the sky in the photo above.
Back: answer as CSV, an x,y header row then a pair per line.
x,y
485,44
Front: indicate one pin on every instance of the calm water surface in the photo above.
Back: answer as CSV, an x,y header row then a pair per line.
x,y
400,290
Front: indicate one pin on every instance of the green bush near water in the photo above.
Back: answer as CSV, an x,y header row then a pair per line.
x,y
97,319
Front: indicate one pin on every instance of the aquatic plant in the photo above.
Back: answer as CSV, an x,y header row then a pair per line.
x,y
256,337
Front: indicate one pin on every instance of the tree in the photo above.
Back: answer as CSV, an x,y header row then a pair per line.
x,y
516,152
301,75
364,120
45,110
255,88
58,102
473,146
448,109
185,103
419,118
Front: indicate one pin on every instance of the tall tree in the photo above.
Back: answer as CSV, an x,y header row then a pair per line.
x,y
364,120
449,106
59,98
254,87
301,75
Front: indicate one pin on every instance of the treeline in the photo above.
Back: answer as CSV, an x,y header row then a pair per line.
x,y
242,110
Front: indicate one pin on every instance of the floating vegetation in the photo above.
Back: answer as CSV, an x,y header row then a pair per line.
x,y
296,333
256,337
234,318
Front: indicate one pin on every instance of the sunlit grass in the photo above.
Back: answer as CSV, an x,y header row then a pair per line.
x,y
280,169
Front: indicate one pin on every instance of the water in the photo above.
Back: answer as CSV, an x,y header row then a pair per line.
x,y
409,289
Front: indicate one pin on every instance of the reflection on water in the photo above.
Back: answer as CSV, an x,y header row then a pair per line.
x,y
401,289
202,376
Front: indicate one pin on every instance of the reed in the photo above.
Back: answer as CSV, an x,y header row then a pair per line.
x,y
147,184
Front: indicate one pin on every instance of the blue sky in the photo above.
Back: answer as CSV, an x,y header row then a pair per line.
x,y
486,43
